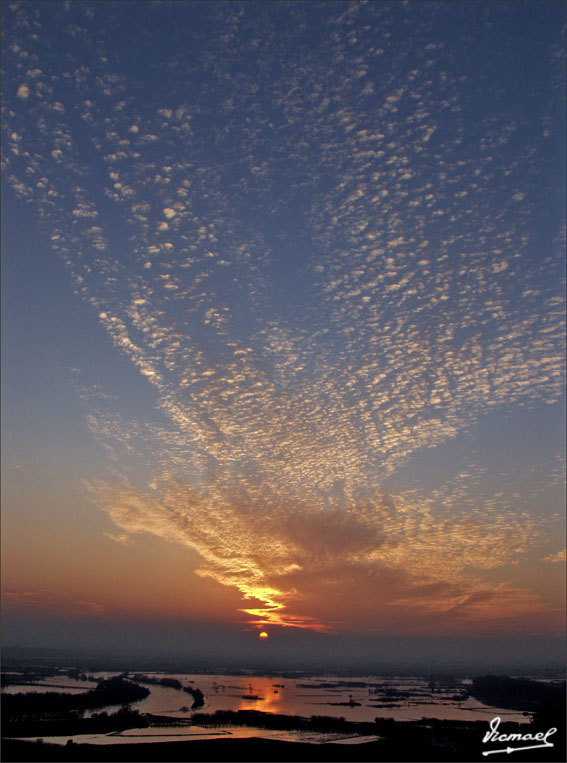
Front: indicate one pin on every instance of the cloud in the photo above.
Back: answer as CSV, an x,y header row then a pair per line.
x,y
54,603
343,295
476,604
123,539
305,566
560,556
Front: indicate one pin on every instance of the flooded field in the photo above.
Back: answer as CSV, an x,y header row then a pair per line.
x,y
365,698
355,699
40,688
176,734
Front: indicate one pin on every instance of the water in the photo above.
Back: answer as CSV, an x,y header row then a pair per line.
x,y
305,697
402,698
57,684
40,688
174,734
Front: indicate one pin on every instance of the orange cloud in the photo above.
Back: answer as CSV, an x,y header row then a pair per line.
x,y
560,556
379,562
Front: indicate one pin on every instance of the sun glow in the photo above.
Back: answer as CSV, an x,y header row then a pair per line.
x,y
263,634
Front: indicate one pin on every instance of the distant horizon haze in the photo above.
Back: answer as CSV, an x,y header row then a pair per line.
x,y
135,644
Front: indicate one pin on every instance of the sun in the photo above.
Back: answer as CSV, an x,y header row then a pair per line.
x,y
263,634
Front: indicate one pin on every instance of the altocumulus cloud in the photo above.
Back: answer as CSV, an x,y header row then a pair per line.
x,y
331,267
295,559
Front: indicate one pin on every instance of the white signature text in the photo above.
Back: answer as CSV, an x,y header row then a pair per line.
x,y
494,736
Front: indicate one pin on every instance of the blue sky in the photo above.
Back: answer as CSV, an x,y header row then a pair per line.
x,y
284,311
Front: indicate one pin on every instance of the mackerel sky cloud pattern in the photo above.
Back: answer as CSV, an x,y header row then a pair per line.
x,y
325,239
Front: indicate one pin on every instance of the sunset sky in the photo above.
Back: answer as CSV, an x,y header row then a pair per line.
x,y
283,319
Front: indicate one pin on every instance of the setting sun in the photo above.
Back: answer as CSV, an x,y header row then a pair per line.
x,y
263,635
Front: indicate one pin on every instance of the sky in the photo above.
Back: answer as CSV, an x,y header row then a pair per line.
x,y
283,324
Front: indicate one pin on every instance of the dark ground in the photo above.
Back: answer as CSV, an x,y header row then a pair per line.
x,y
415,744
